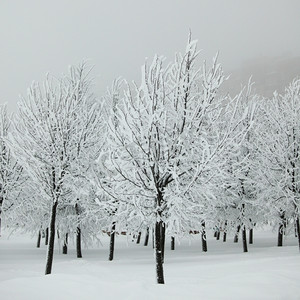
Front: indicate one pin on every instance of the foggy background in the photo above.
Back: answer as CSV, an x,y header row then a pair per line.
x,y
259,37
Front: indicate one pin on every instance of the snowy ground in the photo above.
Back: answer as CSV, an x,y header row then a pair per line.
x,y
224,272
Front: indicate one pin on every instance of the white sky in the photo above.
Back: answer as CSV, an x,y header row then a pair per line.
x,y
40,36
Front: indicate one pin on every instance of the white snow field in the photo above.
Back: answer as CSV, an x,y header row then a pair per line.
x,y
224,272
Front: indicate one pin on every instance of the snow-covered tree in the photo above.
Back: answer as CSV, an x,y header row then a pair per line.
x,y
10,171
278,142
238,189
164,144
88,146
50,130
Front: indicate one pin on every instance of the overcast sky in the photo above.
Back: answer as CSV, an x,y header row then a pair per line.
x,y
40,36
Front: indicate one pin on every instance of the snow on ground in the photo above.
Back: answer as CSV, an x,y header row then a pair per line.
x,y
224,272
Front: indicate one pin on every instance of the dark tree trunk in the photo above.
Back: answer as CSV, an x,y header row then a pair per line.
x,y
280,236
78,242
51,239
225,232
65,246
112,241
138,240
224,236
38,243
281,230
158,253
215,233
251,236
203,238
153,238
163,240
218,235
244,235
236,237
1,203
47,236
78,234
146,237
298,231
172,243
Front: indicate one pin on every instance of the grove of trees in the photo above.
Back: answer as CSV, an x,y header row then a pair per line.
x,y
167,157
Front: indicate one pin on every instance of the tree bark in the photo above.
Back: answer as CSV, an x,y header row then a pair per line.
x,y
138,240
224,236
281,230
298,231
225,232
172,243
251,236
50,250
112,242
78,234
78,242
203,238
146,237
65,246
236,237
153,238
47,236
280,236
163,240
244,235
38,244
218,235
158,253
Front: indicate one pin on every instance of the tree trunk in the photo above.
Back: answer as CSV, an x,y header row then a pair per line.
x,y
224,235
298,231
78,242
78,233
172,243
251,236
65,246
50,250
281,230
215,233
163,240
138,240
112,242
203,238
225,232
146,237
158,253
47,236
153,238
280,236
38,244
244,235
218,235
236,237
